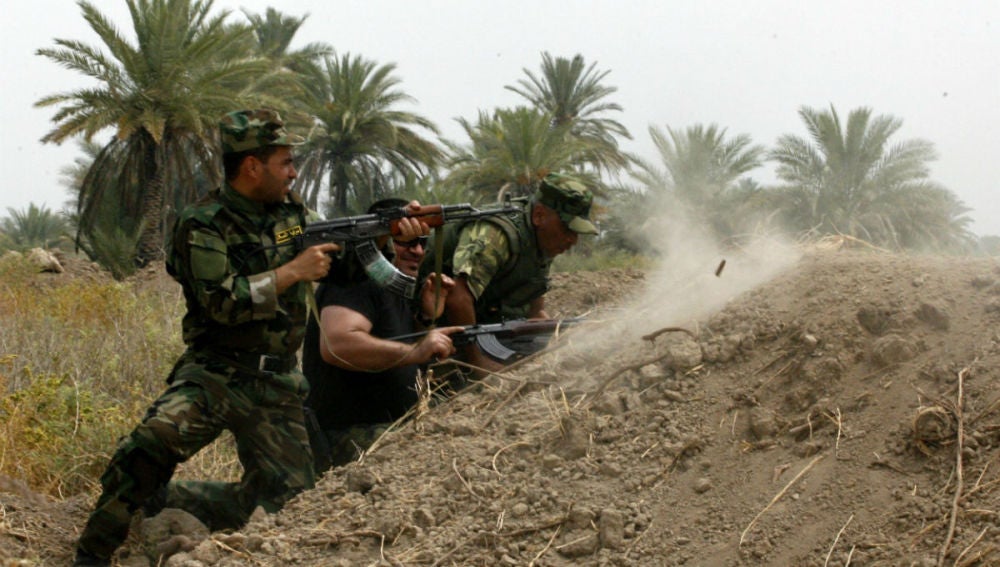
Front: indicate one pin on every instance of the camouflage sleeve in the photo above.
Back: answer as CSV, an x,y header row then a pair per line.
x,y
482,249
201,261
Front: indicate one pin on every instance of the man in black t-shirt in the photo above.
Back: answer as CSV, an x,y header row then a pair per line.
x,y
360,382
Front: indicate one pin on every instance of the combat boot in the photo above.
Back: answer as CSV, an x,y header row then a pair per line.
x,y
156,503
85,559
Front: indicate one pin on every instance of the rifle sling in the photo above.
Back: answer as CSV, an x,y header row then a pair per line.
x,y
438,262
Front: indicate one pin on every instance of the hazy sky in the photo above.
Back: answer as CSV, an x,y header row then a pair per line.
x,y
745,65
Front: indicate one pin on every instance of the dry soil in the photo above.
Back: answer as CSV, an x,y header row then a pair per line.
x,y
843,409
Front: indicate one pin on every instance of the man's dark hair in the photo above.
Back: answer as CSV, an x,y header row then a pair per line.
x,y
383,204
231,162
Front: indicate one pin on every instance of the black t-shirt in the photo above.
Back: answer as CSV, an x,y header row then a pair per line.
x,y
342,398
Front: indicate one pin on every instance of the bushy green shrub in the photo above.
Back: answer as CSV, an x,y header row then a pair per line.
x,y
83,357
56,435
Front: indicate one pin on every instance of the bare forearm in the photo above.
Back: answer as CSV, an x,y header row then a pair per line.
x,y
362,351
460,304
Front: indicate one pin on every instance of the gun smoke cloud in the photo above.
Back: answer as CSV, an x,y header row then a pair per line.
x,y
693,277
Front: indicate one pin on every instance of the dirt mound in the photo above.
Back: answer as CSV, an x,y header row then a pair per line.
x,y
845,412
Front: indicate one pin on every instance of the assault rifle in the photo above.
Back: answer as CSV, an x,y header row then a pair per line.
x,y
487,335
360,232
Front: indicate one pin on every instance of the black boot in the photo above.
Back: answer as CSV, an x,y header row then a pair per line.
x,y
85,559
156,503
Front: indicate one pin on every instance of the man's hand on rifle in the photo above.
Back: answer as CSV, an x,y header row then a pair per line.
x,y
409,227
309,265
462,311
436,344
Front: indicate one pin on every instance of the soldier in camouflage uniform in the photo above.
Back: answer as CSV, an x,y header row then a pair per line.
x,y
501,264
245,321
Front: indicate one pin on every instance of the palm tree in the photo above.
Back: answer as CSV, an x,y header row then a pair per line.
x,y
34,227
989,245
849,179
572,94
359,136
162,94
925,216
432,189
72,175
105,241
628,207
701,171
275,31
510,151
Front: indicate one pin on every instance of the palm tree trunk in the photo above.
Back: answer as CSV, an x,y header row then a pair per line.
x,y
339,187
151,239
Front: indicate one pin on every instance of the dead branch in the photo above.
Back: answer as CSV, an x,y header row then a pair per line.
x,y
987,486
546,548
637,538
607,381
836,539
440,560
493,461
879,462
989,409
778,496
780,372
773,361
808,425
530,530
454,466
970,546
229,549
652,336
840,426
958,464
577,540
632,367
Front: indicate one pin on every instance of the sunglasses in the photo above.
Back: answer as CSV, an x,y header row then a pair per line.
x,y
419,241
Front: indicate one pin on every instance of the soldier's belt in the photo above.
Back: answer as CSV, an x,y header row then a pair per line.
x,y
257,362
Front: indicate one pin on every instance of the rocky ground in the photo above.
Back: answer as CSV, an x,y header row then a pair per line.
x,y
840,408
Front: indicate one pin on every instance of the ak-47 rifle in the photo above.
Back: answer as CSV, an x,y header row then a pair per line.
x,y
487,336
360,232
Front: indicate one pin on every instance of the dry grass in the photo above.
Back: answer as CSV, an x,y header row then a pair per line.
x,y
81,357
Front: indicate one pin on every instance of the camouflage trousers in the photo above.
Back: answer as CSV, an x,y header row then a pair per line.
x,y
263,410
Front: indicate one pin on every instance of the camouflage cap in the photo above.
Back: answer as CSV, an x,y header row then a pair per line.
x,y
245,130
569,197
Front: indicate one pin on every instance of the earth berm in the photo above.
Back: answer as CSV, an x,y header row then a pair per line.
x,y
843,410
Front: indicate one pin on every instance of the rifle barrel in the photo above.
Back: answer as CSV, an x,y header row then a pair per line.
x,y
512,328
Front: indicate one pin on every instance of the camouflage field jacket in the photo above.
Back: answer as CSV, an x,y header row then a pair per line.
x,y
223,254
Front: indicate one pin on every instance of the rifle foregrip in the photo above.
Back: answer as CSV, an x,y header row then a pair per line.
x,y
428,210
431,219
